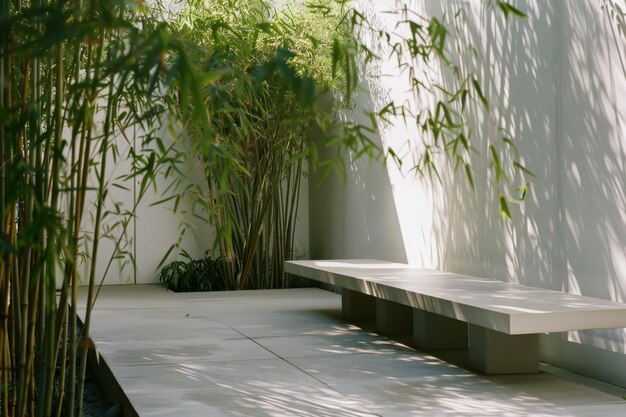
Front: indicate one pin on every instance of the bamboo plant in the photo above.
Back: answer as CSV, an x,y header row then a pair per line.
x,y
75,76
259,118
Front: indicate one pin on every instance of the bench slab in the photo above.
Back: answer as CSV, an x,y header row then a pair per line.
x,y
504,307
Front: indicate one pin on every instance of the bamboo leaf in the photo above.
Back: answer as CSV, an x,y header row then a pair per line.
x,y
163,200
508,9
523,169
470,176
479,92
505,213
496,165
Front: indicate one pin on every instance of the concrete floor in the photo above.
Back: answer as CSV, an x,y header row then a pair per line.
x,y
289,353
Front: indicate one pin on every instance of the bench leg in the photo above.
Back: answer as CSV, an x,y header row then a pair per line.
x,y
492,352
393,318
436,332
356,306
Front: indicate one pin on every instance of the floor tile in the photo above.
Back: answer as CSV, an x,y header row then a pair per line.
x,y
188,350
332,343
243,404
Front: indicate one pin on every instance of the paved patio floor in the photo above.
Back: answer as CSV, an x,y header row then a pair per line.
x,y
289,353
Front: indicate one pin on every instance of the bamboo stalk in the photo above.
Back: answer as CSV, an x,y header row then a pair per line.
x,y
53,335
75,217
96,240
62,359
86,140
4,353
4,271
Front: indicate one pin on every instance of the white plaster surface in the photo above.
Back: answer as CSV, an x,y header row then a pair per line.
x,y
502,306
556,83
195,356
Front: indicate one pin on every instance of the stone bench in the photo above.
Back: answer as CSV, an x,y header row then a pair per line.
x,y
499,322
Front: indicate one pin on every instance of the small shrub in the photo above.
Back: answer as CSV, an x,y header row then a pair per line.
x,y
193,275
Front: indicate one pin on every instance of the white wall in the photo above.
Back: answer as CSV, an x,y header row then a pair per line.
x,y
156,227
556,82
151,232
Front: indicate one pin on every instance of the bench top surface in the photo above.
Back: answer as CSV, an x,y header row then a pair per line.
x,y
506,307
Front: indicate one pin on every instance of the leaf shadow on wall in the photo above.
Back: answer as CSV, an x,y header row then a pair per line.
x,y
554,81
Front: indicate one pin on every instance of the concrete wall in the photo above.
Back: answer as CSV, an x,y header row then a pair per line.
x,y
556,83
158,226
132,245
154,228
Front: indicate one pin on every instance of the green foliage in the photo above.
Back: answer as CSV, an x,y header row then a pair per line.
x,y
509,9
73,77
254,130
205,274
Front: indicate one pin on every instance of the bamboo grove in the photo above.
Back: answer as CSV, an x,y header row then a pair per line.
x,y
262,113
73,75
